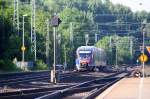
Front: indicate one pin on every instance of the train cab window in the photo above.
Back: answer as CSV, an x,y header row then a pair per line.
x,y
85,55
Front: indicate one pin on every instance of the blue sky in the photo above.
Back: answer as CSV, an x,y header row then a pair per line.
x,y
135,4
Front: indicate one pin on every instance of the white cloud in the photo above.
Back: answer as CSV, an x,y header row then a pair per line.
x,y
135,5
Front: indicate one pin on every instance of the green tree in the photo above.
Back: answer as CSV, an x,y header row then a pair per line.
x,y
117,45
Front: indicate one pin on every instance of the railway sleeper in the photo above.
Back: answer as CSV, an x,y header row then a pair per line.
x,y
95,93
61,93
33,91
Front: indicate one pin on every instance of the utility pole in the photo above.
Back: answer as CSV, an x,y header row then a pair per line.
x,y
54,65
58,48
116,43
47,44
65,65
16,17
96,38
23,45
71,33
2,8
33,34
71,43
86,39
23,41
143,63
2,40
110,46
143,46
131,49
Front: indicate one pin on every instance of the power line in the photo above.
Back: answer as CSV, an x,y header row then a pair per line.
x,y
116,15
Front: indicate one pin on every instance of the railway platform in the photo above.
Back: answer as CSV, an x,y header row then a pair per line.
x,y
128,88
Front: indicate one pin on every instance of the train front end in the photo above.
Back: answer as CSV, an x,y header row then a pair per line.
x,y
83,59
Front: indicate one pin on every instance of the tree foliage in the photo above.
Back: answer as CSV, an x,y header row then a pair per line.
x,y
116,46
79,17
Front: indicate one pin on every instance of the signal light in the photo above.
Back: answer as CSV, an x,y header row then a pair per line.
x,y
55,21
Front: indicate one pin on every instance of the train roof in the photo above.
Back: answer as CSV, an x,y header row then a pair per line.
x,y
88,48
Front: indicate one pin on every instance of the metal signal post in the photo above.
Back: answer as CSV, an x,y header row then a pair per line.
x,y
54,65
55,23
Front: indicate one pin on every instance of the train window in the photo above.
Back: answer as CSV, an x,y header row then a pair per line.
x,y
85,55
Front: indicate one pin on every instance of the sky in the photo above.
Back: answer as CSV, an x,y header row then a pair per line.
x,y
134,4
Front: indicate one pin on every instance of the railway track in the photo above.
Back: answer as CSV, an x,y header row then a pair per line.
x,y
14,75
34,82
85,90
31,93
28,78
67,81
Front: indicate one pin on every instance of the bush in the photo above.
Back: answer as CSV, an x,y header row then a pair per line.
x,y
7,65
40,65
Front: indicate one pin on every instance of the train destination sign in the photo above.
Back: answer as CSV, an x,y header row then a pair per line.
x,y
143,58
85,52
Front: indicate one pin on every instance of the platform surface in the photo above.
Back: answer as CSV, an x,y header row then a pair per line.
x,y
128,88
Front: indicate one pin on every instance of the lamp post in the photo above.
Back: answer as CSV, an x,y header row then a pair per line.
x,y
23,46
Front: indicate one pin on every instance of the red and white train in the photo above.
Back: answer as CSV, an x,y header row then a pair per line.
x,y
90,58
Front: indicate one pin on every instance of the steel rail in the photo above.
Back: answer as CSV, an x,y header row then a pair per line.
x,y
82,87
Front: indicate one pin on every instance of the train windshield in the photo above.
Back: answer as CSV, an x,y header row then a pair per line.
x,y
85,54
